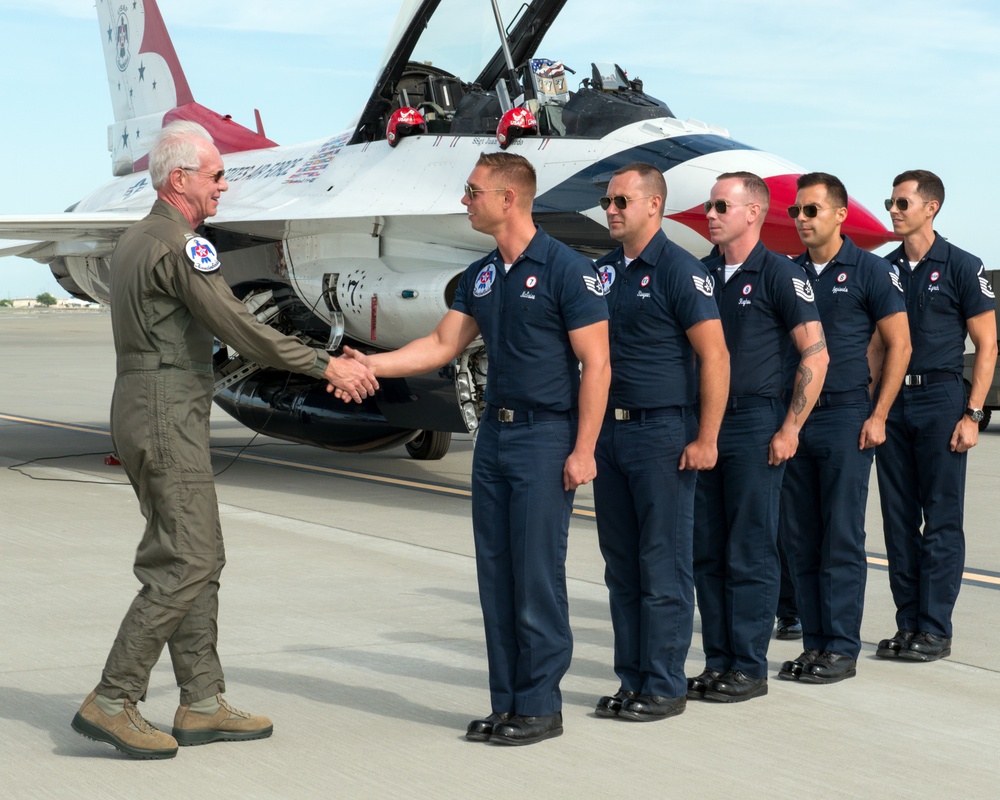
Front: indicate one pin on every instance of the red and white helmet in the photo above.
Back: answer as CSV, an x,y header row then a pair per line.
x,y
405,121
514,124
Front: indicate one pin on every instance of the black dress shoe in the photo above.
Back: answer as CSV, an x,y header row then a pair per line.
x,y
610,706
735,687
480,730
889,648
791,670
789,628
520,729
699,685
829,668
926,647
649,707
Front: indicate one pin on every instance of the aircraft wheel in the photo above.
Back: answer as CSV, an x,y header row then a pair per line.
x,y
429,445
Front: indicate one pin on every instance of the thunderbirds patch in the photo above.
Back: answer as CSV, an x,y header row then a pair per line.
x,y
202,254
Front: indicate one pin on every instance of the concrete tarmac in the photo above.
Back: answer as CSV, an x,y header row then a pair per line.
x,y
349,614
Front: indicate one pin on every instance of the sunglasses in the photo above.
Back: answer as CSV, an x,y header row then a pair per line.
x,y
900,202
621,201
810,210
471,193
215,176
721,206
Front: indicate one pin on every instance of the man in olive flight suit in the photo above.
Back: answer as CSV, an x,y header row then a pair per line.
x,y
168,299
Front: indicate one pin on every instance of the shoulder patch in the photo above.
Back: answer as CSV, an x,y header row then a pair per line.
x,y
705,285
984,283
894,277
804,290
202,254
594,284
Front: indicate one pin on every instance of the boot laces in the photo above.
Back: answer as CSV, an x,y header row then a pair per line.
x,y
137,719
234,711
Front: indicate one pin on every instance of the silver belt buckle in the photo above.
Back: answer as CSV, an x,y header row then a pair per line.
x,y
622,415
505,415
913,380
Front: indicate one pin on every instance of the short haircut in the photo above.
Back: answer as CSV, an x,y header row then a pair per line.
x,y
929,186
753,185
176,146
513,170
651,177
835,188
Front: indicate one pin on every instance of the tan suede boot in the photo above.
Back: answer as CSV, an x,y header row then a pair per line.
x,y
126,730
225,725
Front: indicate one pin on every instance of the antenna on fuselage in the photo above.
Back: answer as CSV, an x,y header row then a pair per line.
x,y
511,71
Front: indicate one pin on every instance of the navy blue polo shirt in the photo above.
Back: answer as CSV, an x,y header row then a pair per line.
x,y
855,290
947,287
760,306
525,316
652,303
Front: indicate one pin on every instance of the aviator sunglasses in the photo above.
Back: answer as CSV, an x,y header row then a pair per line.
x,y
215,176
810,210
721,206
621,201
471,193
900,202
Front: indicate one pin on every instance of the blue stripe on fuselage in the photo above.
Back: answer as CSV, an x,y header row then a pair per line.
x,y
580,191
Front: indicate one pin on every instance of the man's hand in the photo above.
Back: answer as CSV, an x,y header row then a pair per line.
x,y
966,435
783,446
699,455
350,377
578,470
872,433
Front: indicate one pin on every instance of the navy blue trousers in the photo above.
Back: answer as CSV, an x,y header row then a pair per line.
x,y
520,521
736,566
921,480
645,523
823,501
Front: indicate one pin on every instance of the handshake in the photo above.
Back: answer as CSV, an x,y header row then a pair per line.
x,y
351,376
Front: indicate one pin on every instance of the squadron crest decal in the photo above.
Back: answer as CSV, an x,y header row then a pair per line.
x,y
608,275
202,254
122,54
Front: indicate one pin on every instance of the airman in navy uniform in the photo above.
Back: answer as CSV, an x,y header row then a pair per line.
x,y
663,315
541,311
932,424
169,301
766,306
825,492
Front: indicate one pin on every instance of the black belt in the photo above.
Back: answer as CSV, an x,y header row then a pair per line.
x,y
928,378
642,414
751,401
533,415
841,398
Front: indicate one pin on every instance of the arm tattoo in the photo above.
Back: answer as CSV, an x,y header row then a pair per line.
x,y
799,395
805,374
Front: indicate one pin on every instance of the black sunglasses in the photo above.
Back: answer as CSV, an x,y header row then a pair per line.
x,y
621,201
810,210
721,206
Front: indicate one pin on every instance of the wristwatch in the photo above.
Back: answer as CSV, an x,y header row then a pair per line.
x,y
976,414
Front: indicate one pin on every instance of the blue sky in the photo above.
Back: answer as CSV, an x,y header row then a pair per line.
x,y
861,89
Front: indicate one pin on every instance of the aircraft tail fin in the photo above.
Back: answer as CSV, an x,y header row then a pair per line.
x,y
149,89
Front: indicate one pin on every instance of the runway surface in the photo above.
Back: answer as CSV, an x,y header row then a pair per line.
x,y
349,615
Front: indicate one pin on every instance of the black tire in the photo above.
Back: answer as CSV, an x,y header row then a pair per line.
x,y
429,445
